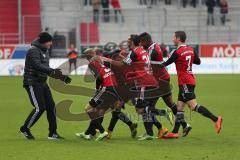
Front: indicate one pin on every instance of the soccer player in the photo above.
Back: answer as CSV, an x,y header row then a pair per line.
x,y
162,75
138,60
95,108
183,57
117,114
36,72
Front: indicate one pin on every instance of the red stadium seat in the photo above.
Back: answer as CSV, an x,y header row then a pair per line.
x,y
8,22
31,28
31,22
31,19
89,33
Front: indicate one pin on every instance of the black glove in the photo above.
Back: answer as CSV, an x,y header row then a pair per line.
x,y
56,73
66,79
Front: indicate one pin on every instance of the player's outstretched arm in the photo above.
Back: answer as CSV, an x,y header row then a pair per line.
x,y
170,60
109,62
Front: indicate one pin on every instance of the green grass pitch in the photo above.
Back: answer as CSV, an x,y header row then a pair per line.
x,y
220,93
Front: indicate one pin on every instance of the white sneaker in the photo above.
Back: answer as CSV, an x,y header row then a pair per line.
x,y
83,135
142,135
147,137
101,136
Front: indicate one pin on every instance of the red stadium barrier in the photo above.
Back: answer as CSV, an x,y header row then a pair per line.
x,y
31,28
9,22
31,20
9,26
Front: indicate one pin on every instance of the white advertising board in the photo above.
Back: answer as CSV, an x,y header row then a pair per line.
x,y
15,67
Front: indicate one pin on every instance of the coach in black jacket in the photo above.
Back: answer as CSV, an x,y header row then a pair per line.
x,y
36,72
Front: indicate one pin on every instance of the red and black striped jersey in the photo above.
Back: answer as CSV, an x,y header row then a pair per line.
x,y
140,68
156,55
184,56
103,74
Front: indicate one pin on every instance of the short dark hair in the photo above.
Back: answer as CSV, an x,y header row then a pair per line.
x,y
146,36
181,35
135,38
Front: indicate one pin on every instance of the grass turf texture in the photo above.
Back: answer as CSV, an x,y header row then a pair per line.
x,y
220,93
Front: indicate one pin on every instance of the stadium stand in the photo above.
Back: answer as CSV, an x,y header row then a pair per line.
x,y
31,20
160,20
8,22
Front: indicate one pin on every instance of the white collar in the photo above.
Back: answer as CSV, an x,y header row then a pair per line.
x,y
183,45
152,46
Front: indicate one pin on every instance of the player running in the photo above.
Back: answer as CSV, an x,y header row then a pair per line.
x,y
104,98
105,84
140,74
183,57
117,114
163,77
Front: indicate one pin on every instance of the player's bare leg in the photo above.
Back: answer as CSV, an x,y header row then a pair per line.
x,y
206,113
180,105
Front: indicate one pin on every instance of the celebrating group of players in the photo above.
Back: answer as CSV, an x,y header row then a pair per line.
x,y
138,74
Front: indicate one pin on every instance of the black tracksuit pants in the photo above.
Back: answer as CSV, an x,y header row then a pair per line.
x,y
41,99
